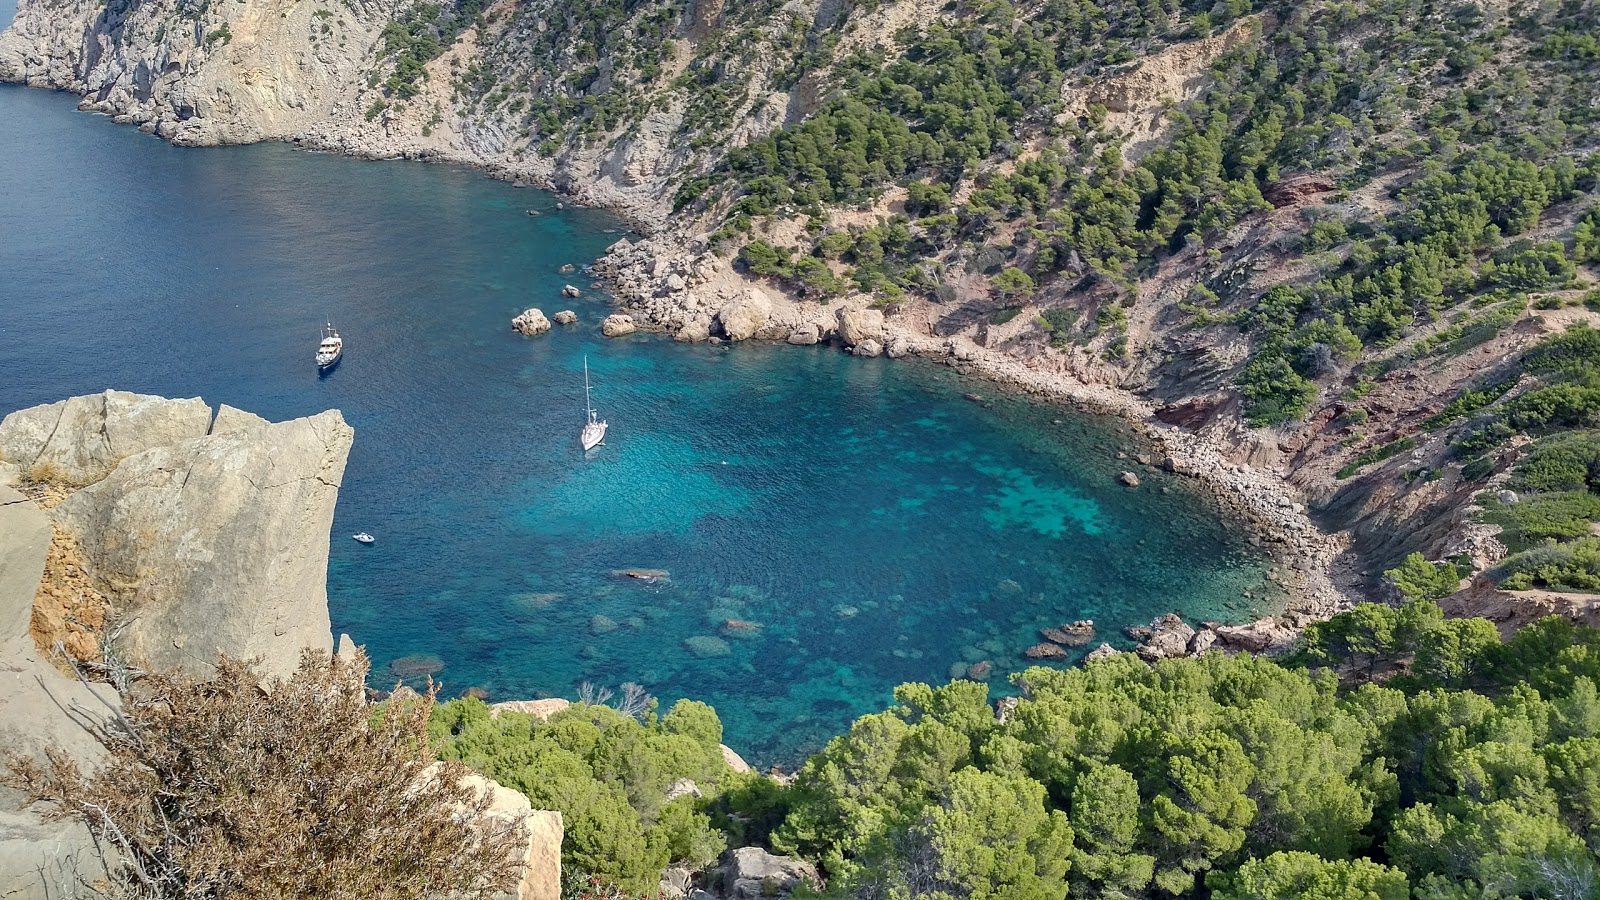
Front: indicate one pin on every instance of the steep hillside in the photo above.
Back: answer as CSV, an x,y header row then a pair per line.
x,y
1317,239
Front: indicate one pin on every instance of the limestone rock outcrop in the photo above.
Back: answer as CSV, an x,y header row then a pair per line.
x,y
751,873
745,315
218,544
857,325
540,862
565,317
39,707
617,325
79,440
530,322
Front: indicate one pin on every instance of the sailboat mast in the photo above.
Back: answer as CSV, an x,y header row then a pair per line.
x,y
588,405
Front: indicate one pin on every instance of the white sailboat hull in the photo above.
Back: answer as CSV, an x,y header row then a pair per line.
x,y
593,434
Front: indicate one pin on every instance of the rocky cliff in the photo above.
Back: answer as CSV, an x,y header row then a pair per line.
x,y
1172,212
202,536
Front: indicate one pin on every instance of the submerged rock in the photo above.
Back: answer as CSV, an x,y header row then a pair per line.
x,y
602,625
706,647
1045,651
980,671
530,322
1128,479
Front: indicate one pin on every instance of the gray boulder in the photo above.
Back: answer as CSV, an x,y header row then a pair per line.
x,y
1169,637
218,544
565,317
868,347
78,440
805,334
751,873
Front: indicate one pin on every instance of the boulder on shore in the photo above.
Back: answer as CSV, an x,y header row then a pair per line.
x,y
694,331
805,335
859,324
1169,637
868,347
745,315
530,322
617,325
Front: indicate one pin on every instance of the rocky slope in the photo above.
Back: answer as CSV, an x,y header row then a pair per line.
x,y
149,534
1086,241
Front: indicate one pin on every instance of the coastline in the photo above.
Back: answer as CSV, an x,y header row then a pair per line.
x,y
1263,503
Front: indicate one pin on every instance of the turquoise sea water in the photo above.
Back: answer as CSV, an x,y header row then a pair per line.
x,y
858,521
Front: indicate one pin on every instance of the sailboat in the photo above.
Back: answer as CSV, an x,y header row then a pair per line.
x,y
594,430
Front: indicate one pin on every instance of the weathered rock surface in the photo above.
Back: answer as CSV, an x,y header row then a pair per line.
x,y
530,322
571,291
39,707
751,873
565,317
617,325
858,324
539,709
805,335
868,347
1169,637
230,419
1261,636
539,862
218,544
80,439
734,760
745,315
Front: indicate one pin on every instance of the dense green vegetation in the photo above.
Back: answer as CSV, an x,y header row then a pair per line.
x,y
609,772
1470,139
1470,771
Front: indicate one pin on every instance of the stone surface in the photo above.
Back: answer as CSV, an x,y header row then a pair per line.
x,y
734,760
1169,637
530,322
540,860
805,335
1045,651
617,325
1261,636
1101,652
868,347
570,291
751,873
1128,479
694,331
857,324
565,317
1202,641
745,315
539,709
218,544
39,707
80,439
230,419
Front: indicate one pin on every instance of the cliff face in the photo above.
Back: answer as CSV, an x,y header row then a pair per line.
x,y
201,537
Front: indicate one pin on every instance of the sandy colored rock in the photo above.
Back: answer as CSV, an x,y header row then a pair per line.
x,y
231,419
696,330
67,609
734,760
80,439
858,324
742,317
218,544
805,334
539,709
617,325
565,317
540,858
530,322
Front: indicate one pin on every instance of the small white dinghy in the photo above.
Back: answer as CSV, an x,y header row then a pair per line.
x,y
363,537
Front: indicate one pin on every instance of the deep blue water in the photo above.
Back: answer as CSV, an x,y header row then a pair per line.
x,y
873,525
